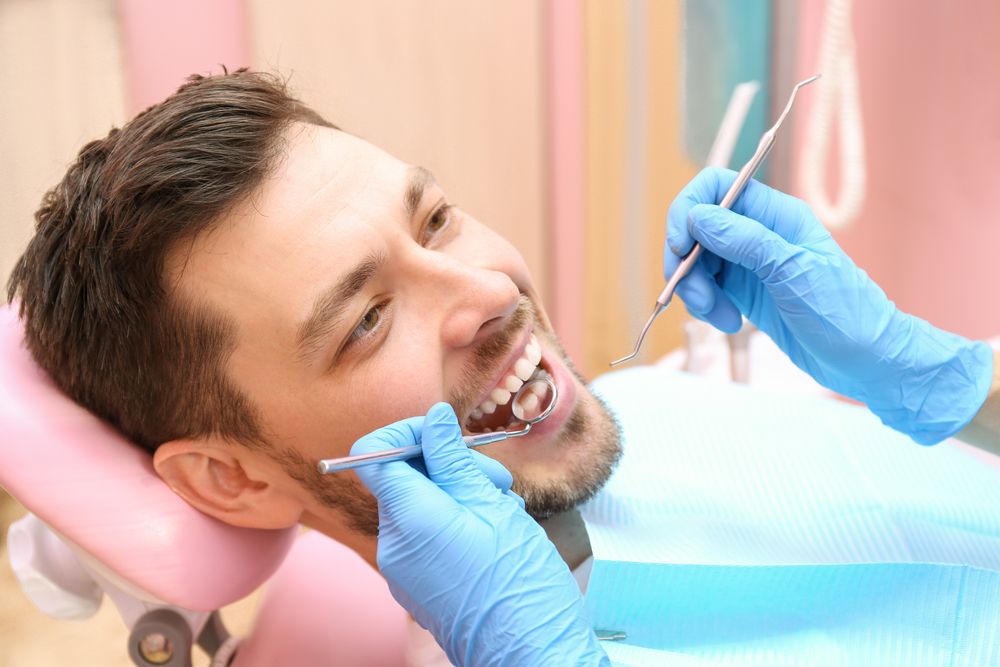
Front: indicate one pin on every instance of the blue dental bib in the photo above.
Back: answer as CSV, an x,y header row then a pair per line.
x,y
753,528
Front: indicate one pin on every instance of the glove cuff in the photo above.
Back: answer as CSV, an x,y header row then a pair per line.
x,y
944,384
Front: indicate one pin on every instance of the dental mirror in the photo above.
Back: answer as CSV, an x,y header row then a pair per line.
x,y
532,403
540,386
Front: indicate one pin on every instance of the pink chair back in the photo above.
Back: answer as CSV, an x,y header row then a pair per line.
x,y
326,606
100,492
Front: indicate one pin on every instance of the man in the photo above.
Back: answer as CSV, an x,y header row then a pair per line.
x,y
243,289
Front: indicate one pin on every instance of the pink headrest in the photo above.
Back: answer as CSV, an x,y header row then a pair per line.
x,y
86,481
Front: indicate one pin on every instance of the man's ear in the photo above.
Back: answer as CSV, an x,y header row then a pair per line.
x,y
213,477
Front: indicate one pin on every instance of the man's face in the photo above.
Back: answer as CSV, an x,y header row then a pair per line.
x,y
361,298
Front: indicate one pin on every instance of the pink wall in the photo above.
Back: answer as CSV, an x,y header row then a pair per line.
x,y
565,169
930,230
164,42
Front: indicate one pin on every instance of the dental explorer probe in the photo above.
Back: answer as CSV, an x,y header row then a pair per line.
x,y
327,466
735,190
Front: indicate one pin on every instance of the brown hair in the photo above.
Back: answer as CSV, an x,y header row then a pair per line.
x,y
96,313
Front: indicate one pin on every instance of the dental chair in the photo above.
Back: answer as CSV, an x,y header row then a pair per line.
x,y
102,523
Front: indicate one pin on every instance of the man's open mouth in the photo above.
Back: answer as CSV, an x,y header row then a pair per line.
x,y
495,412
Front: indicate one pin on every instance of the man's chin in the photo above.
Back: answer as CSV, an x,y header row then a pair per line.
x,y
575,466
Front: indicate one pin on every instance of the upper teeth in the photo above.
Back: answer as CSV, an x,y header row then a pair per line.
x,y
509,384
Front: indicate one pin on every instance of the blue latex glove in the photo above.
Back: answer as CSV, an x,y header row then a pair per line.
x,y
780,268
462,556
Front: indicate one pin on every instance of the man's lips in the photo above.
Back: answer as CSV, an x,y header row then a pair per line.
x,y
545,430
565,403
504,369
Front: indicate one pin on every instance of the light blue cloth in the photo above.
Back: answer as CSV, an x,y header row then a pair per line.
x,y
788,531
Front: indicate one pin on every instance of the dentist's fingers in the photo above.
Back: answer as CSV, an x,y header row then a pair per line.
x,y
697,294
788,216
403,433
739,240
396,483
702,295
708,187
498,474
724,315
518,499
451,464
695,288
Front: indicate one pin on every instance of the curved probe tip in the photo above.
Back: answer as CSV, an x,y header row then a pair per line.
x,y
633,355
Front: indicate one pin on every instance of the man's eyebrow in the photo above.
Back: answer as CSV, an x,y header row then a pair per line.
x,y
418,180
330,305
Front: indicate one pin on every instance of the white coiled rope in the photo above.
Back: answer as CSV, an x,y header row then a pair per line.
x,y
837,94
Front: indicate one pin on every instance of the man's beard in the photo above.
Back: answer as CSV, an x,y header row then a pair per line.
x,y
586,476
341,493
595,430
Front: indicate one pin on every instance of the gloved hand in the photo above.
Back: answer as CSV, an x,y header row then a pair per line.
x,y
462,556
780,268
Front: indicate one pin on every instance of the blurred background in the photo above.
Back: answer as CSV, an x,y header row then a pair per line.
x,y
569,126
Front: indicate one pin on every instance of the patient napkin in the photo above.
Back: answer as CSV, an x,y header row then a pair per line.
x,y
752,528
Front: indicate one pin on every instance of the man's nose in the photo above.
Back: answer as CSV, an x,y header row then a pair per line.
x,y
474,302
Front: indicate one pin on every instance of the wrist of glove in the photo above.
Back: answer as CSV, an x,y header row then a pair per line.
x,y
930,383
461,555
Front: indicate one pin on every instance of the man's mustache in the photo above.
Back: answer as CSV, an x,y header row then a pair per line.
x,y
483,367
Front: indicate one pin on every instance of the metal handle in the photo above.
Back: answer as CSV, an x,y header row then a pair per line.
x,y
350,462
732,194
327,466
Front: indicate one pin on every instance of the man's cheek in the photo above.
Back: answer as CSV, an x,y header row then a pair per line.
x,y
390,403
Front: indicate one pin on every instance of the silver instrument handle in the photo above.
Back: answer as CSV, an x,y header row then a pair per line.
x,y
327,466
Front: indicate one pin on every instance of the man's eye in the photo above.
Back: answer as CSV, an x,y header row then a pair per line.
x,y
437,223
369,323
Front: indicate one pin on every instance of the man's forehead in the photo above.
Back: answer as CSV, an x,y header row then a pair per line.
x,y
323,165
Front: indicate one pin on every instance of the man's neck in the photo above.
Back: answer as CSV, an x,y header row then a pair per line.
x,y
568,532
